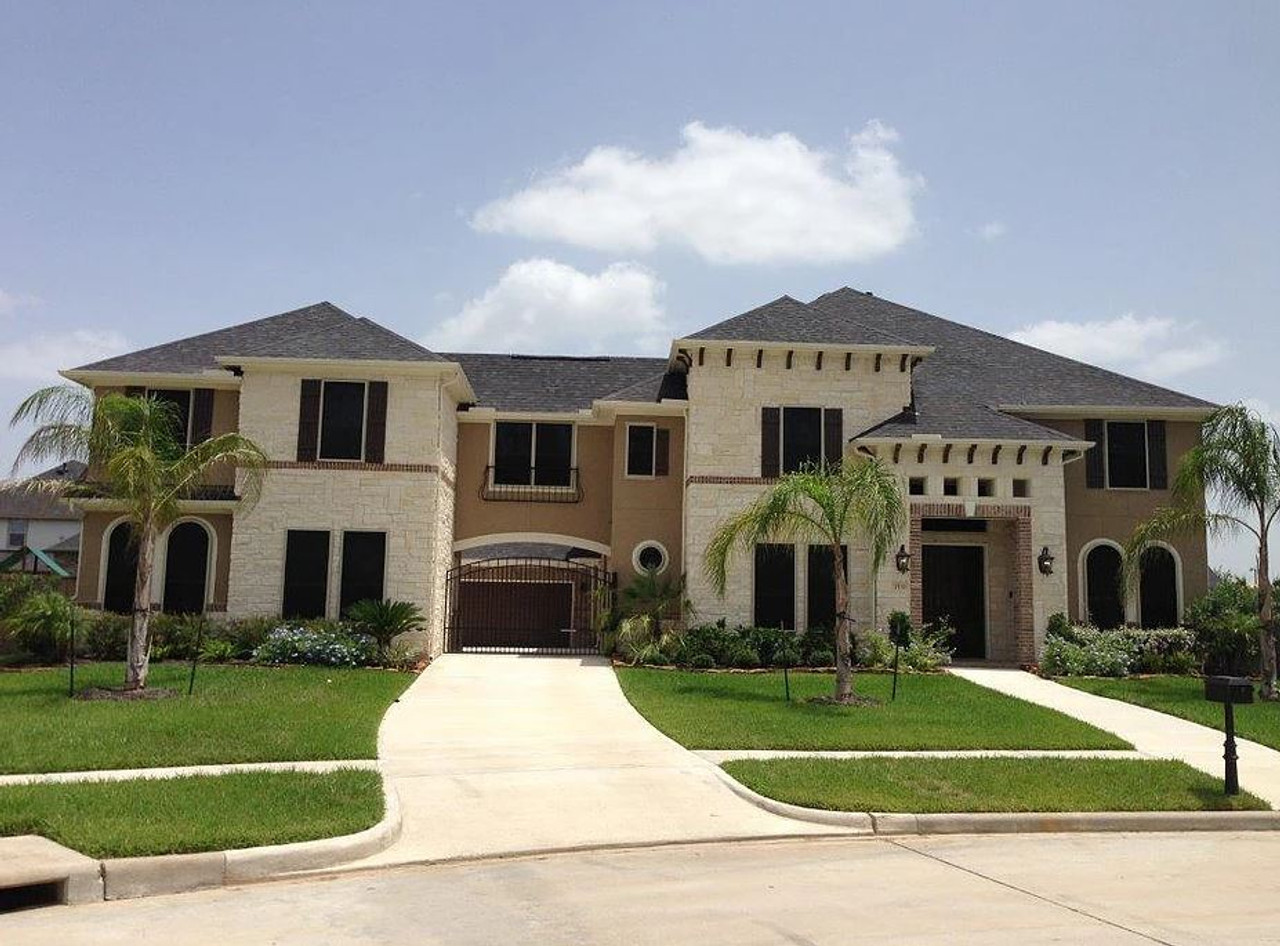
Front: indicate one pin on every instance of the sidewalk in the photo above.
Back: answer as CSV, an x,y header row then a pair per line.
x,y
1154,734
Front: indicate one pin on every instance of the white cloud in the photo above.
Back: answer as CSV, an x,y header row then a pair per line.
x,y
729,196
11,302
38,358
1152,347
543,306
992,230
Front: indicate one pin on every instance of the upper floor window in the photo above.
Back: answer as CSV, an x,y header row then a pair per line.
x,y
532,454
795,437
181,406
17,533
641,449
342,418
1126,455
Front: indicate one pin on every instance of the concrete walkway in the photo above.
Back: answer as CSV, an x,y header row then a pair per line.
x,y
1157,735
503,754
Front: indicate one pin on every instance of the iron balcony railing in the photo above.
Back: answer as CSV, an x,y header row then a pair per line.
x,y
531,485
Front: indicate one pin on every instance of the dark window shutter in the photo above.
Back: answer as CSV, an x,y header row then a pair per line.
x,y
662,453
1095,461
833,435
135,390
1157,455
770,441
201,415
309,420
375,428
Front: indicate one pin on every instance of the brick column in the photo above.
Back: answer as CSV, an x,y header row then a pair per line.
x,y
1023,590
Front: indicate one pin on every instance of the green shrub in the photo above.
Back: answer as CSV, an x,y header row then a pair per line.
x,y
400,657
1059,625
385,620
702,662
815,641
788,655
821,658
743,657
1106,656
1225,625
324,645
927,650
245,634
174,636
715,640
1160,650
104,635
217,651
872,649
767,641
17,588
42,625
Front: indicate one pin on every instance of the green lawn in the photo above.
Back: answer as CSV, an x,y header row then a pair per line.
x,y
1184,696
174,816
238,714
933,711
943,785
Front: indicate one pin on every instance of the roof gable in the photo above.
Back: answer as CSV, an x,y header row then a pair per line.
x,y
788,320
321,331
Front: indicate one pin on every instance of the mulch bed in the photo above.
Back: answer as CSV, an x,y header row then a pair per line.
x,y
119,693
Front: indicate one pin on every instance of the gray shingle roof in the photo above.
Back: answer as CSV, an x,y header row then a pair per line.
x,y
17,502
558,383
789,320
321,331
954,417
990,370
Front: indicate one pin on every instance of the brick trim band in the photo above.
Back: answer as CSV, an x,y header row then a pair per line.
x,y
732,480
341,465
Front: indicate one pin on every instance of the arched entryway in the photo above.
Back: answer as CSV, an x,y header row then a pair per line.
x,y
186,568
1104,586
1158,588
122,569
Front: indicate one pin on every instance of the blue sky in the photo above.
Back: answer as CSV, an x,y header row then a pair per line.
x,y
1099,177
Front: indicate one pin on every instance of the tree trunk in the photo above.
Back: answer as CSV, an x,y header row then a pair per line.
x,y
139,656
1266,633
844,665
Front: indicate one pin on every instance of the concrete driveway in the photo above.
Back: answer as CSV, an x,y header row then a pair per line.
x,y
500,754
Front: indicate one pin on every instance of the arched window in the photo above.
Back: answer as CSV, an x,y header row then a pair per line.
x,y
1158,588
1104,588
122,569
186,568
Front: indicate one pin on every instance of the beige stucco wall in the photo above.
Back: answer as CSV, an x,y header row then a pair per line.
x,y
1113,514
92,560
648,508
587,519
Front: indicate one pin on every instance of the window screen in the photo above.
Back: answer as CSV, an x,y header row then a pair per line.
x,y
364,561
775,586
512,454
640,440
801,437
1127,455
553,454
342,421
306,574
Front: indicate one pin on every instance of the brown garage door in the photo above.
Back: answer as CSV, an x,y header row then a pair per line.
x,y
524,605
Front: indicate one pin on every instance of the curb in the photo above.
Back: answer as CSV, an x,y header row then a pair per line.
x,y
998,822
126,878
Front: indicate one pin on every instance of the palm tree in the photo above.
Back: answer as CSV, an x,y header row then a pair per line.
x,y
139,461
1236,467
860,499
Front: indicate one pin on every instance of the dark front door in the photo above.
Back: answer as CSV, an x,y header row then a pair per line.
x,y
954,591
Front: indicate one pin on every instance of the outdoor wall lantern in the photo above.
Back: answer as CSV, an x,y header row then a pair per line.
x,y
903,559
1045,561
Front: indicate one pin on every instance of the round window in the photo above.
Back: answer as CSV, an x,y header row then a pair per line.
x,y
649,557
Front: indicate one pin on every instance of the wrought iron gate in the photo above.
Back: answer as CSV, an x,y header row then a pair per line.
x,y
526,605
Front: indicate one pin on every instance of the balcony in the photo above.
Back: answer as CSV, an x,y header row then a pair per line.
x,y
531,485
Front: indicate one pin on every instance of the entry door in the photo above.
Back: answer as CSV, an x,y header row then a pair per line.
x,y
954,589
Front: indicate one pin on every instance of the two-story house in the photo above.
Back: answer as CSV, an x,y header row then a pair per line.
x,y
506,494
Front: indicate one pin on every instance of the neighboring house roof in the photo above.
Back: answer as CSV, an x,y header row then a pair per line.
x,y
990,369
321,331
18,502
71,544
557,383
789,320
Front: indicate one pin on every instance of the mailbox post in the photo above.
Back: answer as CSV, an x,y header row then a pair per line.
x,y
1229,691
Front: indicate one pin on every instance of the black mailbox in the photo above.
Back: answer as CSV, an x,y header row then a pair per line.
x,y
1228,689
